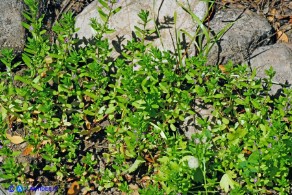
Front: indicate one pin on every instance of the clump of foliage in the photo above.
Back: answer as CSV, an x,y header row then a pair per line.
x,y
59,102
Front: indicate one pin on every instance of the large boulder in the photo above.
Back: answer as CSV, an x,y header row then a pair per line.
x,y
162,13
248,32
12,33
277,56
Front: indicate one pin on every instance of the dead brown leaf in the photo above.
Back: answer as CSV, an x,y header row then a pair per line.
x,y
133,186
223,69
135,189
282,37
15,139
271,16
74,188
87,98
36,112
27,151
128,177
44,142
290,20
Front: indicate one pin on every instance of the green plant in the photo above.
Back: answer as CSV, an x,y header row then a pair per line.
x,y
58,103
202,38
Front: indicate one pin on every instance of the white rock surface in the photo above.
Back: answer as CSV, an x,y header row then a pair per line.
x,y
125,20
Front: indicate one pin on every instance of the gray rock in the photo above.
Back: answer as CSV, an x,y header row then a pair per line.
x,y
278,56
248,32
12,34
125,20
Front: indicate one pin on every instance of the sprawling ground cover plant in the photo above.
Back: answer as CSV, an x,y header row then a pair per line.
x,y
73,116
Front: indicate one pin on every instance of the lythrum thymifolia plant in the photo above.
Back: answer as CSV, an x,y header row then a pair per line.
x,y
80,119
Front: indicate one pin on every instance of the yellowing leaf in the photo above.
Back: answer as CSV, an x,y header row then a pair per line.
x,y
48,60
227,182
36,112
282,37
15,139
